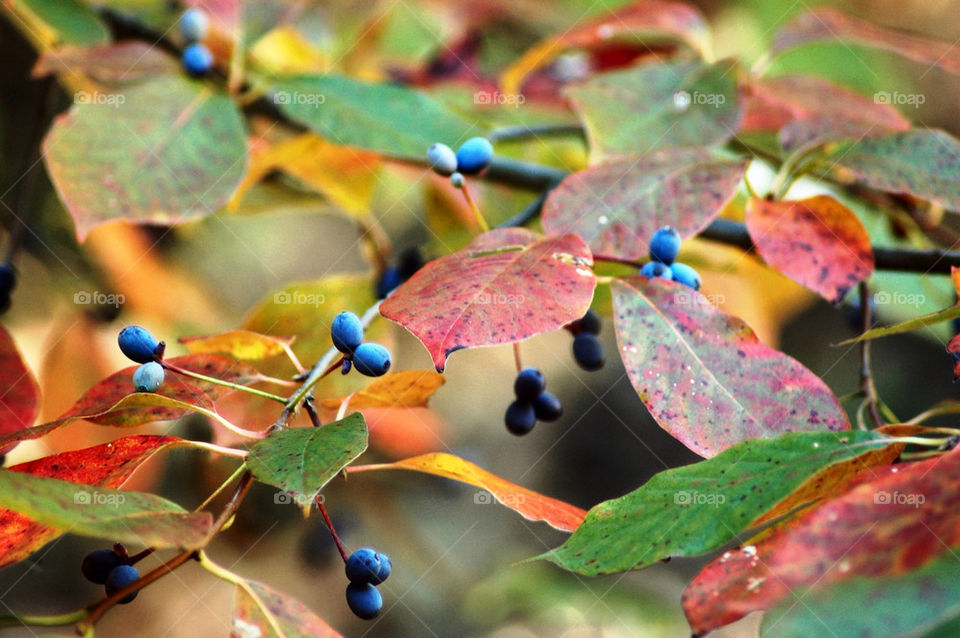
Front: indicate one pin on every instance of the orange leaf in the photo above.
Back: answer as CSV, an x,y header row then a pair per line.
x,y
240,344
407,389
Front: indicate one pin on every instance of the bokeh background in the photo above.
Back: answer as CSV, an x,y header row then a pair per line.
x,y
454,554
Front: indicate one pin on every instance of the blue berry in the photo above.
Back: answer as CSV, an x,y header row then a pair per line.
x,y
665,245
138,344
197,59
442,159
529,384
685,275
148,377
588,351
388,282
547,407
386,568
474,155
118,578
457,180
193,25
346,332
363,566
98,564
591,323
371,359
8,279
520,418
364,600
656,269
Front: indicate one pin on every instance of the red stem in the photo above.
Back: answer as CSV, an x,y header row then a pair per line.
x,y
333,532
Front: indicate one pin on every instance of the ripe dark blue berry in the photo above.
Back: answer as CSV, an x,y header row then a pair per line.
x,y
665,245
346,332
386,568
442,159
656,269
371,359
588,351
148,377
388,282
138,344
363,565
529,384
474,155
364,600
8,279
685,275
547,407
197,59
193,25
591,323
98,564
118,578
520,418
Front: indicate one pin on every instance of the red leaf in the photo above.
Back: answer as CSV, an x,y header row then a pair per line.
x,y
507,285
953,347
818,242
826,24
19,393
617,206
893,520
107,465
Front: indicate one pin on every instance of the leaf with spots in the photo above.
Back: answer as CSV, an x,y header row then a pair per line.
x,y
301,461
921,162
705,377
406,389
107,465
19,392
697,508
137,518
917,323
656,106
818,242
266,613
827,24
889,522
616,207
507,285
161,152
529,504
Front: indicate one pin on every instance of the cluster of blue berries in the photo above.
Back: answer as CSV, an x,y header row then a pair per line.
x,y
588,350
533,403
196,57
8,279
471,158
408,263
112,570
370,359
139,345
366,568
664,248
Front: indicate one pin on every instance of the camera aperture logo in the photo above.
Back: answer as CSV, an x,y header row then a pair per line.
x,y
97,298
296,97
685,498
300,500
99,99
83,497
883,497
483,497
496,97
299,298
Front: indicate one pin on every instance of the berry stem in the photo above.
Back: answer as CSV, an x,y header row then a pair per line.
x,y
867,386
136,558
523,131
221,488
516,357
44,621
613,259
312,411
484,226
333,532
228,384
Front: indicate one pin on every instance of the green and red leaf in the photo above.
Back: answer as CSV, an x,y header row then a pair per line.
x,y
261,611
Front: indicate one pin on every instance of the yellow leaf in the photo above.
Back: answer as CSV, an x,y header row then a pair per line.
x,y
285,50
240,344
407,389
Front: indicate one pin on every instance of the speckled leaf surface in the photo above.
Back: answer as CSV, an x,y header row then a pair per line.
x,y
107,465
655,106
818,242
262,612
301,461
506,286
827,24
705,377
161,152
891,521
616,207
693,509
922,162
19,392
386,118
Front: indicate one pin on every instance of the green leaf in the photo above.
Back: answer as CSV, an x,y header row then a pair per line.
x,y
906,326
127,517
918,604
302,460
162,152
656,106
74,22
921,162
697,508
386,118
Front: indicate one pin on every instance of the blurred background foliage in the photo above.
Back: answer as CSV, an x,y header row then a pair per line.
x,y
453,553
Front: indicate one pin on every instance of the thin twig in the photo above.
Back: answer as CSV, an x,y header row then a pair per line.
x,y
333,532
867,386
